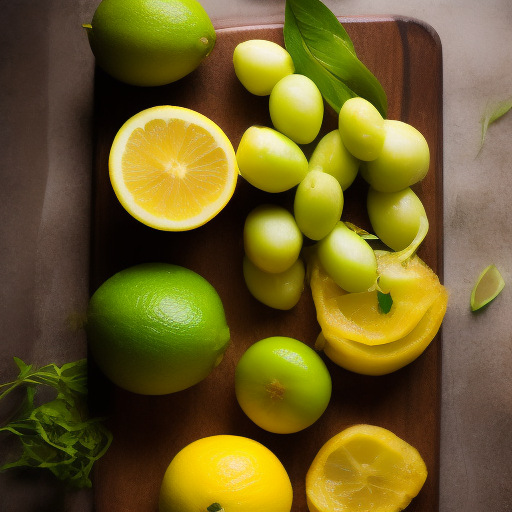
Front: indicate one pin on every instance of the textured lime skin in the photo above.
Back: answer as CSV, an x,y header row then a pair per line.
x,y
282,384
150,42
156,328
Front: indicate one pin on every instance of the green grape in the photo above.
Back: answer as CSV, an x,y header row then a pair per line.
x,y
403,161
272,240
331,156
395,216
348,259
297,108
361,128
269,160
260,64
318,204
278,291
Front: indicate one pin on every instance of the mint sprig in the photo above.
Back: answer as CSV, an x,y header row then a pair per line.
x,y
57,435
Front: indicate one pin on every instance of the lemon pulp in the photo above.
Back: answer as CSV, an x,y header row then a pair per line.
x,y
364,468
172,168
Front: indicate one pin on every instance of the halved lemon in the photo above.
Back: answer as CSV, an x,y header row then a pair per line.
x,y
364,467
488,286
389,357
172,168
356,316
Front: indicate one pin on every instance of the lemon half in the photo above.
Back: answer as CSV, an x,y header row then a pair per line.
x,y
364,467
172,168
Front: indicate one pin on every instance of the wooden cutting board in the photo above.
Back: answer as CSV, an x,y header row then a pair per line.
x,y
405,55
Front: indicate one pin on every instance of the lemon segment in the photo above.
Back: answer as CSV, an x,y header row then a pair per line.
x,y
364,468
172,168
389,357
356,316
489,285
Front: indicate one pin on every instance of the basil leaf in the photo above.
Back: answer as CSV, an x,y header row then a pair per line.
x,y
385,302
333,91
493,112
322,50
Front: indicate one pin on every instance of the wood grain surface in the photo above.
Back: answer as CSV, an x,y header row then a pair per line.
x,y
405,55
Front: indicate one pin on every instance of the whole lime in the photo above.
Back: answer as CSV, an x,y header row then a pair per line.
x,y
282,384
156,328
150,42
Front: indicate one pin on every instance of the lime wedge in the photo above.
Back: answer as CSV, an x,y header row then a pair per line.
x,y
488,286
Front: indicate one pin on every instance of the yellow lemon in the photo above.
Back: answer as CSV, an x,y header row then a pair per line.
x,y
356,316
172,168
225,473
150,42
364,468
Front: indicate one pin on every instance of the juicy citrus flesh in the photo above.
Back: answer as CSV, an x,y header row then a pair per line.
x,y
489,285
364,468
389,357
172,168
156,328
237,473
356,316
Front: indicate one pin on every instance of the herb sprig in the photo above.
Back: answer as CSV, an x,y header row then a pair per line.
x,y
57,435
322,50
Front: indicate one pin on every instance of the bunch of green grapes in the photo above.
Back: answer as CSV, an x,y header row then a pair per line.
x,y
390,155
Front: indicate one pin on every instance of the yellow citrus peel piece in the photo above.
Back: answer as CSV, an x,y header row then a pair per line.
x,y
356,316
389,357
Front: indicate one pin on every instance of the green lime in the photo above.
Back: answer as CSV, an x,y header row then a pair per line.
x,y
488,286
156,328
150,42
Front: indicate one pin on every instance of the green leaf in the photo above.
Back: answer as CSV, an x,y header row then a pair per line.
x,y
215,507
385,302
322,50
361,232
493,112
58,435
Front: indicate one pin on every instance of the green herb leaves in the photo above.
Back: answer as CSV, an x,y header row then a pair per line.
x,y
322,50
57,435
385,302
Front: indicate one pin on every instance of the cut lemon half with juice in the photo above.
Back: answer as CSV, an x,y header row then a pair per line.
x,y
364,467
414,288
172,168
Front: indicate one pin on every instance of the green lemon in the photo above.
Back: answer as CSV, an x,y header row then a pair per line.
x,y
156,328
150,42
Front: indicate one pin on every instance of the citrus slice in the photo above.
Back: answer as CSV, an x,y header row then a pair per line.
x,y
487,288
364,468
389,357
172,168
356,316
